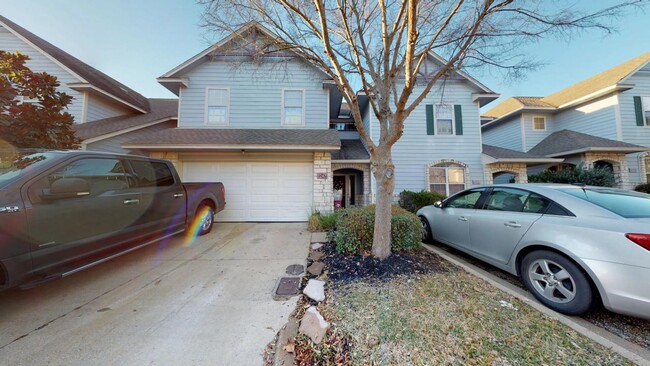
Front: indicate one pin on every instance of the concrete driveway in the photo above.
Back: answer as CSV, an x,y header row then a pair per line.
x,y
208,303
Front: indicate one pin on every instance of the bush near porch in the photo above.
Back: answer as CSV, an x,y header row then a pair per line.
x,y
645,188
355,229
603,177
413,201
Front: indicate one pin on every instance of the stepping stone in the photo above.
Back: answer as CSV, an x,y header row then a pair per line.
x,y
315,255
315,290
316,268
316,246
313,325
319,237
295,269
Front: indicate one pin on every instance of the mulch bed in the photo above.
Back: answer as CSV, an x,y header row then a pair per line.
x,y
345,269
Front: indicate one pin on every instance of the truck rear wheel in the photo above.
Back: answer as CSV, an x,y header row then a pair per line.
x,y
205,215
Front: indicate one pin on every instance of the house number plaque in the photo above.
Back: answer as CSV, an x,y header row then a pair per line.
x,y
321,175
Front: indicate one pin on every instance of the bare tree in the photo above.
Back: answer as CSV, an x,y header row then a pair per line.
x,y
380,46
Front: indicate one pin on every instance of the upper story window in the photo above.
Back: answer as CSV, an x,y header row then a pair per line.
x,y
444,119
217,106
293,107
539,123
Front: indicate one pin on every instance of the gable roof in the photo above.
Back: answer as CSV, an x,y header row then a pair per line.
x,y
162,110
567,142
607,78
598,85
82,70
173,76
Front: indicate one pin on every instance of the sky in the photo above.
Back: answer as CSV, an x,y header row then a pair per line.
x,y
136,41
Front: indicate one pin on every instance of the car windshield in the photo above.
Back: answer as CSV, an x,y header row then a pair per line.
x,y
624,203
13,164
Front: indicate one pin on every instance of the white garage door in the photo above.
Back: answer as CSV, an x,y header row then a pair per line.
x,y
258,191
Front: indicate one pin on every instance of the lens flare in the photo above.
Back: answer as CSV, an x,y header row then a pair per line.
x,y
193,231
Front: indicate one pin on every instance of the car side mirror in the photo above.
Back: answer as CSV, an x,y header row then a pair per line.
x,y
438,204
66,188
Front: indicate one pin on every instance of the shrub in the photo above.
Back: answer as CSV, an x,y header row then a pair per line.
x,y
323,222
413,201
355,229
603,177
645,188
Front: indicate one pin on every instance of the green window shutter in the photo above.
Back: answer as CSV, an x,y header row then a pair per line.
x,y
430,128
638,111
458,115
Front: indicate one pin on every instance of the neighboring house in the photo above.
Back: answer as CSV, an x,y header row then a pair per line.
x,y
601,121
95,95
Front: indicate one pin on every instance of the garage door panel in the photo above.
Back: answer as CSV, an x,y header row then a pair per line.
x,y
259,191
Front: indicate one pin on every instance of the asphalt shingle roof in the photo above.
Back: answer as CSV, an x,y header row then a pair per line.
x,y
565,141
207,137
160,109
576,91
351,150
90,74
502,153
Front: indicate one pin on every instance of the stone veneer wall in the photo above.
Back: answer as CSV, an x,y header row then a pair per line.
x,y
619,163
365,198
518,169
323,192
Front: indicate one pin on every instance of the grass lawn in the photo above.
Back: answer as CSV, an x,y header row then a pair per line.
x,y
442,317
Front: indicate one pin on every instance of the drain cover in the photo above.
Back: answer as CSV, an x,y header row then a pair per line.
x,y
288,286
295,269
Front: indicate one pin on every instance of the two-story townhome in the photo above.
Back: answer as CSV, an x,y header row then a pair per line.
x,y
602,121
95,95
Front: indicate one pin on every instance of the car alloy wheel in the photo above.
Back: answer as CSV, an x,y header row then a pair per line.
x,y
557,282
426,230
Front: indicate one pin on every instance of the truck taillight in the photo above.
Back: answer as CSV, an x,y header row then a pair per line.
x,y
223,193
640,239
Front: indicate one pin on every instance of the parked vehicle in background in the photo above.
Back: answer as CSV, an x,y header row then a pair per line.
x,y
572,245
62,211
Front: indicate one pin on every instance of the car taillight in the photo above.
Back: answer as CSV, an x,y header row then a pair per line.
x,y
641,239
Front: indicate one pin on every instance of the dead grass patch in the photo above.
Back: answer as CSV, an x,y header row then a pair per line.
x,y
451,317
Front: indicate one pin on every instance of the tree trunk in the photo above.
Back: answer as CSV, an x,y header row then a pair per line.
x,y
384,172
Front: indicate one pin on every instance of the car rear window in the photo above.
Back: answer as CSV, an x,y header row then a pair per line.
x,y
628,204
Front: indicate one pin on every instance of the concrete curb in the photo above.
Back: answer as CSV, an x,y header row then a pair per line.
x,y
629,350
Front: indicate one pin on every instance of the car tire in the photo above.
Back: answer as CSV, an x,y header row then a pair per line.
x,y
426,231
557,282
205,214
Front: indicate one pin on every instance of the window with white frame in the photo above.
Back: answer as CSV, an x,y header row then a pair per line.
x,y
293,113
444,119
645,101
539,123
446,179
218,101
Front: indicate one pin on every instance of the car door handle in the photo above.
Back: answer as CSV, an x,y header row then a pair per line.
x,y
178,195
134,201
462,218
511,224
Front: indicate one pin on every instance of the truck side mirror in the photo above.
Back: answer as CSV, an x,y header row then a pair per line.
x,y
66,188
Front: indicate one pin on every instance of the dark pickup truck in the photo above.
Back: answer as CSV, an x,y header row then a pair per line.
x,y
63,211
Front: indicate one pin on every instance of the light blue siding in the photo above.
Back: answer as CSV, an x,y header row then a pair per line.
x,y
632,133
38,62
506,135
255,93
533,137
416,150
113,144
100,108
597,118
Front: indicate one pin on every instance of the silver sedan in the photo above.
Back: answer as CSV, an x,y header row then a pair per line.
x,y
573,246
